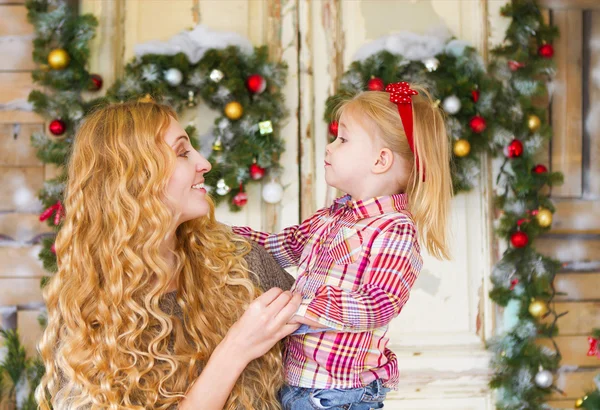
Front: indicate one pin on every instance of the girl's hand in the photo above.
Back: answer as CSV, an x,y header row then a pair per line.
x,y
264,323
305,321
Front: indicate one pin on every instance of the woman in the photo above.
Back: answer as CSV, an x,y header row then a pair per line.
x,y
153,295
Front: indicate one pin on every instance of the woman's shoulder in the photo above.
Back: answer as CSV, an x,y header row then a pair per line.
x,y
266,270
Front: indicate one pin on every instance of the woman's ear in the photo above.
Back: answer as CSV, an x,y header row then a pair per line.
x,y
384,162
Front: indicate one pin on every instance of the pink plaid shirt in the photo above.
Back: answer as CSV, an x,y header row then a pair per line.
x,y
357,262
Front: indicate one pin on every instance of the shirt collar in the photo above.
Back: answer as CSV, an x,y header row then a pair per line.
x,y
371,207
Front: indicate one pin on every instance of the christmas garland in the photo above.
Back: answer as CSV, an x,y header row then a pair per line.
x,y
245,88
457,78
523,279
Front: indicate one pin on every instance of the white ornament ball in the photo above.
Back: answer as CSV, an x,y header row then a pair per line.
x,y
173,76
451,104
272,192
222,187
431,63
544,379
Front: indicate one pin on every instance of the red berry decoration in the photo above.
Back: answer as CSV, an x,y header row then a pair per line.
x,y
475,95
539,169
514,283
546,51
376,84
333,128
256,83
477,124
241,198
57,127
515,65
53,249
256,172
514,149
96,82
519,239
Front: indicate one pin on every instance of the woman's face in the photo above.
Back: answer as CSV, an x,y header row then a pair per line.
x,y
185,189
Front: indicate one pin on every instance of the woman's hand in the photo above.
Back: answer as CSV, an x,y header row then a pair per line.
x,y
264,323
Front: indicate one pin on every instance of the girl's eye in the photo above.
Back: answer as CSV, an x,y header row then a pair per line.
x,y
343,140
185,154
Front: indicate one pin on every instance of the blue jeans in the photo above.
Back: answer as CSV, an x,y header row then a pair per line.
x,y
362,398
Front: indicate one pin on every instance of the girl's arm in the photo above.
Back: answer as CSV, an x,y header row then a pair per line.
x,y
286,246
262,325
393,266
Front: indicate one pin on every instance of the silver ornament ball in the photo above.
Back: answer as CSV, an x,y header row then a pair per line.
x,y
431,63
173,76
451,104
272,192
544,379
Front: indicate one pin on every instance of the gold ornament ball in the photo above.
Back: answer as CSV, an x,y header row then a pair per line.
x,y
234,110
58,59
579,402
544,217
533,122
538,308
462,148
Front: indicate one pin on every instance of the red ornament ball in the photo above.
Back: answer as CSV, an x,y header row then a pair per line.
x,y
256,83
546,51
96,82
475,95
539,169
240,199
376,84
477,124
256,172
333,128
519,239
57,127
515,65
514,149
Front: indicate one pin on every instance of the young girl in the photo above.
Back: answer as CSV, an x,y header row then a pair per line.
x,y
359,258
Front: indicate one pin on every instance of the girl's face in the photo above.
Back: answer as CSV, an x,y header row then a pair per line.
x,y
185,189
350,157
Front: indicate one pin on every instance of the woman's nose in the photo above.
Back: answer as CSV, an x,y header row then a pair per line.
x,y
203,165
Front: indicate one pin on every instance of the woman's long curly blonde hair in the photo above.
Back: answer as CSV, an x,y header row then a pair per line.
x,y
108,344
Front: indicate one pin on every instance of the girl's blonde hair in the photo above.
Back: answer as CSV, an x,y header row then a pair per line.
x,y
429,199
108,343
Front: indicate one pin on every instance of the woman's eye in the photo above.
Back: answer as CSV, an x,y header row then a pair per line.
x,y
184,154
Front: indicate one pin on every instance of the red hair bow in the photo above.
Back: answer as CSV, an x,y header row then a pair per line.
x,y
401,94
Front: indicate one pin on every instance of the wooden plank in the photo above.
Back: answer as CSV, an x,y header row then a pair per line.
x,y
19,188
14,21
18,152
576,216
561,404
21,117
567,142
569,4
20,263
569,248
581,319
15,86
30,330
22,228
573,350
593,120
16,53
578,286
20,291
575,384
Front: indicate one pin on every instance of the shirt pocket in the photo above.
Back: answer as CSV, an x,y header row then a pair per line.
x,y
346,247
